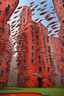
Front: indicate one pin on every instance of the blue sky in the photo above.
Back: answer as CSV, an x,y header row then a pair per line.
x,y
49,2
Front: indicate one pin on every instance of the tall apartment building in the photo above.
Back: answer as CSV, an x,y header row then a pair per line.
x,y
55,54
59,7
34,66
6,9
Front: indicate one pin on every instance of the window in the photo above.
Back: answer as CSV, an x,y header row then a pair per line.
x,y
32,54
1,55
32,47
62,59
0,12
8,8
46,60
24,67
63,5
32,35
25,79
0,2
41,30
39,58
37,36
40,69
53,73
32,61
61,42
24,61
0,63
2,73
0,84
48,69
49,77
32,28
5,61
33,41
62,21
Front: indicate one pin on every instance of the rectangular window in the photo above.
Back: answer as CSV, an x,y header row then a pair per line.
x,y
39,58
32,35
2,73
24,67
37,37
0,84
0,63
53,73
32,54
62,21
24,61
32,47
0,12
1,55
48,69
33,41
40,69
62,59
63,5
46,60
5,61
32,28
32,61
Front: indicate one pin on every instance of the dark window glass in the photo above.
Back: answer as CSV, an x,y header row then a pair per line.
x,y
32,35
32,61
0,12
40,69
39,58
62,59
32,54
0,63
32,47
37,36
48,69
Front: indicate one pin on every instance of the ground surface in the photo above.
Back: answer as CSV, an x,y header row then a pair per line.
x,y
50,91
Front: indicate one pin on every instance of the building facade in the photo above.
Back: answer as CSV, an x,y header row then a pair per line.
x,y
34,67
6,9
59,7
55,54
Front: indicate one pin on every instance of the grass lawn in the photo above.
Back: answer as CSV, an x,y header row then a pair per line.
x,y
49,91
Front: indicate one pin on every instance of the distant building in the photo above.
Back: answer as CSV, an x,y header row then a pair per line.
x,y
6,9
59,7
55,56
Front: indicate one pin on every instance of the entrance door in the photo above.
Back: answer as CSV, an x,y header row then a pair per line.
x,y
39,82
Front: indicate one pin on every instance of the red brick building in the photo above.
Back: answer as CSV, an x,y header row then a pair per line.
x,y
34,66
6,9
55,54
59,7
